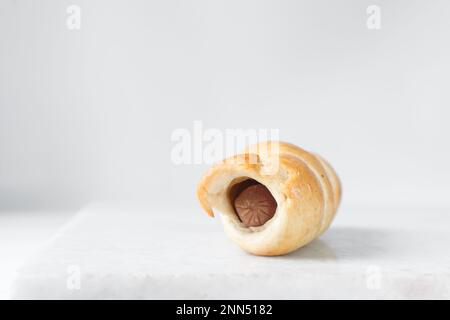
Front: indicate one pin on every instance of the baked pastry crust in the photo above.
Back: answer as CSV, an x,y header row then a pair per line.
x,y
305,187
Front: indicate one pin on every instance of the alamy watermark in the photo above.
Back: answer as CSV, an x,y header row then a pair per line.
x,y
73,20
200,145
374,277
73,281
374,19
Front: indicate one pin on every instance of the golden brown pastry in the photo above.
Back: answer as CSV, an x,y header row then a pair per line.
x,y
273,198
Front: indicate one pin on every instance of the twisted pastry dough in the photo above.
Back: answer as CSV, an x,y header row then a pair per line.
x,y
305,187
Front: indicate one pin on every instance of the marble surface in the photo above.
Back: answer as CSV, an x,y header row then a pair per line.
x,y
21,234
125,252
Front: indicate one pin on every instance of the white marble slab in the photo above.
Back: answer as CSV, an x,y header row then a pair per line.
x,y
124,252
21,234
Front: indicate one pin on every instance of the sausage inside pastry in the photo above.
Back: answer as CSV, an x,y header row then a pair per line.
x,y
273,199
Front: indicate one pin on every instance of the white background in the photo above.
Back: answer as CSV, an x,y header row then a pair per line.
x,y
88,114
